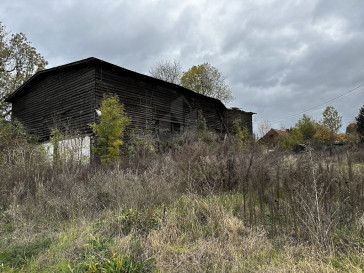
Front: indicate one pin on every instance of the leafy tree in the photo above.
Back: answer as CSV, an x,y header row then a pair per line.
x,y
332,121
167,71
207,80
328,127
263,128
306,127
351,135
11,134
201,128
111,128
322,134
360,123
18,62
291,140
351,128
302,132
13,137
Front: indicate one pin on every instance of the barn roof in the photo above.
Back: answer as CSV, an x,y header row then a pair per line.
x,y
282,132
92,60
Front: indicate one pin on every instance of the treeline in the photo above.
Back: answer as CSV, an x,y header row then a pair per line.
x,y
324,132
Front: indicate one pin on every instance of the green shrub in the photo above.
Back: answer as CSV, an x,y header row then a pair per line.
x,y
118,263
242,134
111,128
201,128
16,256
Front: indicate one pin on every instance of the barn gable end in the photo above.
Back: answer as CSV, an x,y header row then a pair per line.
x,y
60,97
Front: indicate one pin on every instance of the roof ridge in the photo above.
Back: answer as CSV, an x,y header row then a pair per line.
x,y
94,59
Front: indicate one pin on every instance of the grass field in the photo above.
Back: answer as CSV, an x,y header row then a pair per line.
x,y
200,207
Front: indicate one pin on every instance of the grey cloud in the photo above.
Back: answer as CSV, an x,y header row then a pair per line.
x,y
279,57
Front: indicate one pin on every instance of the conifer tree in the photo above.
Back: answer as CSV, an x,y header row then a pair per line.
x,y
111,128
360,123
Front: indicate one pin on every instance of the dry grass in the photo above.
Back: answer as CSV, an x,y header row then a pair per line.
x,y
196,208
201,235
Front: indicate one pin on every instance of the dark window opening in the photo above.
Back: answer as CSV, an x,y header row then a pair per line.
x,y
175,127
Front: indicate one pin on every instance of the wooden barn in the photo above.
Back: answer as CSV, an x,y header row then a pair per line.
x,y
70,94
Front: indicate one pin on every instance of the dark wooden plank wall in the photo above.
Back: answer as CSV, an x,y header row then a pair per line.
x,y
70,96
63,98
156,106
235,114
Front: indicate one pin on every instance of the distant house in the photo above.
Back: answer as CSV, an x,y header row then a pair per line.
x,y
270,139
70,95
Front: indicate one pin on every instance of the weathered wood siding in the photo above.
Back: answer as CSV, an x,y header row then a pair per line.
x,y
62,98
68,96
245,118
154,105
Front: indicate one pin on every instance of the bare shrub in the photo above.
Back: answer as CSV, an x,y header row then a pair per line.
x,y
207,168
305,197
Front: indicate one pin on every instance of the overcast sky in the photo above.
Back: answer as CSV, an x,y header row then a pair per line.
x,y
280,58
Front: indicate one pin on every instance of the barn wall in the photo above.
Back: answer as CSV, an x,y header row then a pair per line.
x,y
62,98
159,107
68,97
230,115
